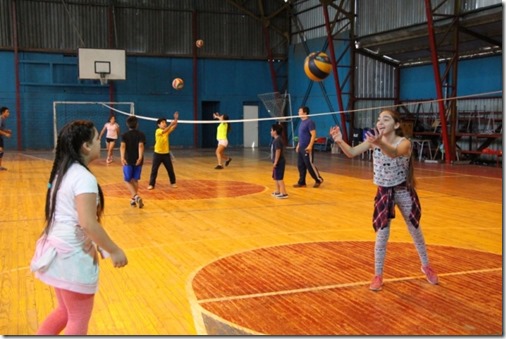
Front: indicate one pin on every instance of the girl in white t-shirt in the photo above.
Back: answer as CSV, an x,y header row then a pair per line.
x,y
112,128
393,174
66,255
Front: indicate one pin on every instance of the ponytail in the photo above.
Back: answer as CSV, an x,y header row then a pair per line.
x,y
68,145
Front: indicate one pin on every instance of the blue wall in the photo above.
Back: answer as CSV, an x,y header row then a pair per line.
x,y
46,78
300,84
482,75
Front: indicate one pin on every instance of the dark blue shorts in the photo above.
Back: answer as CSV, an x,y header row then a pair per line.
x,y
278,172
131,172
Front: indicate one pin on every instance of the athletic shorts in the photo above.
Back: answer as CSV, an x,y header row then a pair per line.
x,y
278,172
223,142
110,140
131,172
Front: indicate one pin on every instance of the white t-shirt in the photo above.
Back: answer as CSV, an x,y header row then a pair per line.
x,y
60,259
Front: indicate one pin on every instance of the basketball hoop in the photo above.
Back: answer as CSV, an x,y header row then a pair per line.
x,y
275,103
102,64
103,79
103,69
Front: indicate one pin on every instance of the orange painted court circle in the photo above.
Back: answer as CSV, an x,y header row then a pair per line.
x,y
187,190
321,288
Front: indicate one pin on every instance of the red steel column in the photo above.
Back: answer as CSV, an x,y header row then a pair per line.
x,y
269,56
344,128
437,79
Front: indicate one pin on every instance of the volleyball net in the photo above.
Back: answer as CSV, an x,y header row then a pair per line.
x,y
279,108
96,111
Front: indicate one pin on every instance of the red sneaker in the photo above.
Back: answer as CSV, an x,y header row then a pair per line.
x,y
377,283
430,275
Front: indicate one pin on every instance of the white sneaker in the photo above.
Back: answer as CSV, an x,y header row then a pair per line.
x,y
173,185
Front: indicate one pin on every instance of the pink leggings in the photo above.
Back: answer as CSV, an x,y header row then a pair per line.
x,y
72,314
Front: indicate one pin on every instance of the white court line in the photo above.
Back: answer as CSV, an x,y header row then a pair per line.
x,y
328,287
450,174
35,157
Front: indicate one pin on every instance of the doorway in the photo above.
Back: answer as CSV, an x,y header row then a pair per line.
x,y
250,135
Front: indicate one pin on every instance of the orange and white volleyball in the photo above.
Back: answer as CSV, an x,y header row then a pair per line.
x,y
199,43
177,84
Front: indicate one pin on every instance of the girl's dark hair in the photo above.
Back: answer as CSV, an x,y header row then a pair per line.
x,y
229,128
68,145
410,180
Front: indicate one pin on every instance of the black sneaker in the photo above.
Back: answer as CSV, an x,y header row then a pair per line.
x,y
318,183
132,203
299,185
219,167
228,161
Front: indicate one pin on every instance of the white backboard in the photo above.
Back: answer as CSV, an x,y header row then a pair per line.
x,y
94,61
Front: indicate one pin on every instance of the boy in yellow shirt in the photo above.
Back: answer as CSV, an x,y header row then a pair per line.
x,y
161,154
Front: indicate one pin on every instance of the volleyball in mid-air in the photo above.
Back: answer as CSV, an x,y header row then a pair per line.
x,y
317,66
199,43
177,84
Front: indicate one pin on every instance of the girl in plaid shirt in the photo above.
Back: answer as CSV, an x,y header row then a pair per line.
x,y
393,174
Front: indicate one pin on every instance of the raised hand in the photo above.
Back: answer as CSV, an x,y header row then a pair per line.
x,y
336,134
374,136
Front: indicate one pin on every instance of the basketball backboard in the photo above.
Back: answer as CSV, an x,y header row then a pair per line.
x,y
102,63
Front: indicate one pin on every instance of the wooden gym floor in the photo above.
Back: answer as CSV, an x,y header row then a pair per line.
x,y
220,255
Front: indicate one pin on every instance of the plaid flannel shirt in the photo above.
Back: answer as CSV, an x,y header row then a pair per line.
x,y
384,207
